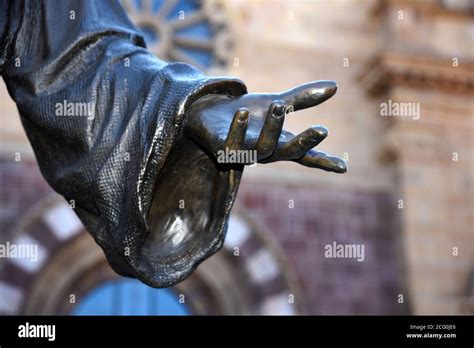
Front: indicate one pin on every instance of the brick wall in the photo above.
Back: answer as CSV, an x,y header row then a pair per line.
x,y
322,216
21,186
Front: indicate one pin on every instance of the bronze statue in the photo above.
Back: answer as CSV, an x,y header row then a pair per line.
x,y
133,141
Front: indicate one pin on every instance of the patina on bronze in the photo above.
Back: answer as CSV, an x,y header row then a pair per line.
x,y
142,169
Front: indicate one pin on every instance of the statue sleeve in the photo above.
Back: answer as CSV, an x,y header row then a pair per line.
x,y
104,117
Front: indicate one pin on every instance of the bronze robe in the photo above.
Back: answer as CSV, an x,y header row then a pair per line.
x,y
125,163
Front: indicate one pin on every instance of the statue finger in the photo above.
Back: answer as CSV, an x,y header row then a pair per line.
x,y
271,129
302,143
309,94
318,159
236,135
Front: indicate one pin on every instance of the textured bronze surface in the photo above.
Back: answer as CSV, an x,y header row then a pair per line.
x,y
137,143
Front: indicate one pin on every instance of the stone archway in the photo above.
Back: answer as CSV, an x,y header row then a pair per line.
x,y
248,276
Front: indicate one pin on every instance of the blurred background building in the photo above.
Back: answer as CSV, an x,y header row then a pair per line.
x,y
407,197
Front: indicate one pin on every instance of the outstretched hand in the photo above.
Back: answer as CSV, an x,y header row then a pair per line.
x,y
254,122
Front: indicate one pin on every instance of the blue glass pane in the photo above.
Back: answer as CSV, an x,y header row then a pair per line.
x,y
200,31
188,6
130,297
99,302
202,57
